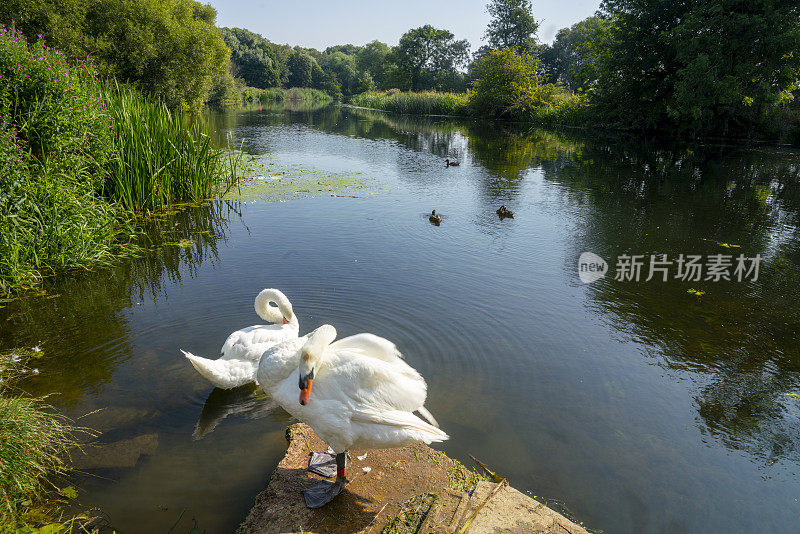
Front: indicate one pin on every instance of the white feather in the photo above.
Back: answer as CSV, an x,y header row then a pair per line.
x,y
242,351
362,395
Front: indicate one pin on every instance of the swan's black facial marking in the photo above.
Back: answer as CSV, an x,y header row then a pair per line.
x,y
304,379
305,387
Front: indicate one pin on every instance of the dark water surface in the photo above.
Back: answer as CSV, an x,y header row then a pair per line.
x,y
640,406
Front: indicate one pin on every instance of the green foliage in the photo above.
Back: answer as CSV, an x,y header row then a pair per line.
x,y
167,48
566,61
251,95
55,147
506,86
425,103
33,446
373,60
302,68
306,94
427,58
343,67
256,60
226,91
512,26
162,157
704,67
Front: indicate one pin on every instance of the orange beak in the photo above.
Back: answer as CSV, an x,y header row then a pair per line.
x,y
305,393
285,321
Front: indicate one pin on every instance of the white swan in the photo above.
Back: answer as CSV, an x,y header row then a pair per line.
x,y
243,349
363,397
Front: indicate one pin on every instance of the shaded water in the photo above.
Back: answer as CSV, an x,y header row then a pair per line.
x,y
640,406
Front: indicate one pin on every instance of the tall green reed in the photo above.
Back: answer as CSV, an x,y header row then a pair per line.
x,y
424,103
162,157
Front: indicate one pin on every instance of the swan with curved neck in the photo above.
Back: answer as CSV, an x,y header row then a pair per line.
x,y
363,396
242,351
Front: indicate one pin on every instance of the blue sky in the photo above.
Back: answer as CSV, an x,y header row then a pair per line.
x,y
319,24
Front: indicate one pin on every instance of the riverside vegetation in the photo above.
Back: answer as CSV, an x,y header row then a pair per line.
x,y
98,123
81,161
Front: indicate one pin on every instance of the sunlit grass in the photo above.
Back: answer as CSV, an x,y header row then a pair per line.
x,y
34,452
425,103
162,157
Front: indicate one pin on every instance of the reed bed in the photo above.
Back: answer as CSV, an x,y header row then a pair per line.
x,y
424,103
161,157
307,94
254,95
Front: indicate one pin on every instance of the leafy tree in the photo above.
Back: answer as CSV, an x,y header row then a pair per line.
x,y
301,69
373,59
343,66
254,58
706,66
505,84
346,49
565,61
512,25
169,48
425,53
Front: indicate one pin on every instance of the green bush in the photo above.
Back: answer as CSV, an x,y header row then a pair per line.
x,y
55,147
166,48
308,94
253,95
506,86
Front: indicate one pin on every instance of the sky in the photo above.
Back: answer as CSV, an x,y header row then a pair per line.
x,y
319,24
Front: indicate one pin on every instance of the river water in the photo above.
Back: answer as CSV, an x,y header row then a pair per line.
x,y
635,406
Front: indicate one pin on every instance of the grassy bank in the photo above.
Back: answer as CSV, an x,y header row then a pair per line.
x,y
254,95
505,86
562,108
34,446
79,160
425,103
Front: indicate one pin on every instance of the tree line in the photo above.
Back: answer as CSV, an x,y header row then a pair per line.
x,y
718,67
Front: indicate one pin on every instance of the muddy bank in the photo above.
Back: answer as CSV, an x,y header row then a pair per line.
x,y
405,490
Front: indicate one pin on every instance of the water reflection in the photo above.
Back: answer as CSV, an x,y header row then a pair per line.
x,y
82,350
738,337
683,409
247,401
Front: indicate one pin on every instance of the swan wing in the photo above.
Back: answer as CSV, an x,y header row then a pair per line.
x,y
369,345
225,374
419,429
278,362
359,380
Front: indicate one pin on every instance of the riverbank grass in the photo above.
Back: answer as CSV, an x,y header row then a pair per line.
x,y
423,103
81,161
162,157
34,451
55,146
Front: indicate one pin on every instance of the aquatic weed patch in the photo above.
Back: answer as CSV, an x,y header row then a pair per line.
x,y
263,179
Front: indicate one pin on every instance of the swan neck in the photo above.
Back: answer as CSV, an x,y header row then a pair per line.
x,y
274,314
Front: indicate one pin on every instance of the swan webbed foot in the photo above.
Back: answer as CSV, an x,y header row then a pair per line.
x,y
322,493
323,464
